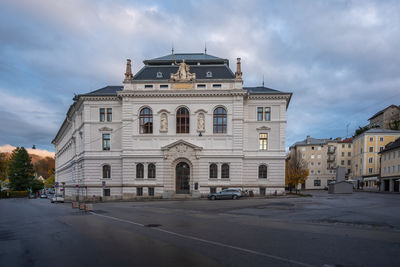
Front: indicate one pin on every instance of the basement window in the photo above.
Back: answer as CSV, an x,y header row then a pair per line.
x,y
217,85
164,86
201,86
148,86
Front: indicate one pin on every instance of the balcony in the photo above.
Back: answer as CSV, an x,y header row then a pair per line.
x,y
331,158
331,150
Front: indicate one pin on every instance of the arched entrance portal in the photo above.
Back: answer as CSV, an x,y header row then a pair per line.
x,y
182,178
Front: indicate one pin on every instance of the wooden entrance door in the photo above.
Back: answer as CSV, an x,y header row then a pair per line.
x,y
182,178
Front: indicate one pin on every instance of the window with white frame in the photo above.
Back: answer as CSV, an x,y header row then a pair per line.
x,y
106,171
369,170
370,159
371,149
371,139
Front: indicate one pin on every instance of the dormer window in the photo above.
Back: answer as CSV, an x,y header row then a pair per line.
x,y
159,74
209,74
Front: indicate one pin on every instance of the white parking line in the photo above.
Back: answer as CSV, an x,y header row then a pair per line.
x,y
210,242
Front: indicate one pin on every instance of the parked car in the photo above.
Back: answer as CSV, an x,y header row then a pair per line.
x,y
229,193
43,195
57,198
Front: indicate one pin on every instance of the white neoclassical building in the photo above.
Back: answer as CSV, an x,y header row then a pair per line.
x,y
183,125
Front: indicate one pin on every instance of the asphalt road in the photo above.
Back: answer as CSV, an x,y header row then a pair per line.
x,y
362,229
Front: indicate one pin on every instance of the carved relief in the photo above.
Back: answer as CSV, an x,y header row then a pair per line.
x,y
180,149
183,73
163,123
200,123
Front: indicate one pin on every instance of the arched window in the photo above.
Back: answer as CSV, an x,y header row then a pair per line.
x,y
213,170
262,171
225,170
151,171
182,120
106,171
146,121
139,170
219,120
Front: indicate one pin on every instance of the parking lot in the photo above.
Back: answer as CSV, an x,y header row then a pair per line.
x,y
361,229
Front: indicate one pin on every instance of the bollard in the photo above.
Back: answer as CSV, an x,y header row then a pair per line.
x,y
88,207
81,206
74,205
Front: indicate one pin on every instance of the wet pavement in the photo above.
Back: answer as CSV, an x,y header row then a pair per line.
x,y
362,229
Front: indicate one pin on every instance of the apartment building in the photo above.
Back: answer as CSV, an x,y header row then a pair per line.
x,y
366,157
390,169
344,153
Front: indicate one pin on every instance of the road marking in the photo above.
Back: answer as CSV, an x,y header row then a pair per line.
x,y
210,242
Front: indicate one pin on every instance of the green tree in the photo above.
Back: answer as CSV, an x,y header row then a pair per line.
x,y
36,185
20,170
49,183
360,130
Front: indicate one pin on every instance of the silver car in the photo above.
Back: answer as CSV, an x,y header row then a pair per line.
x,y
57,198
230,193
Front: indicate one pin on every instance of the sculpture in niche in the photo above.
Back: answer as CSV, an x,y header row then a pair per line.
x,y
164,123
200,123
183,73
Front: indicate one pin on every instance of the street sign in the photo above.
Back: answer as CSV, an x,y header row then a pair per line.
x,y
56,184
77,185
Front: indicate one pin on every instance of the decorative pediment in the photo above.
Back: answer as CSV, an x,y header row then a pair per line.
x,y
105,129
200,110
181,148
263,128
163,111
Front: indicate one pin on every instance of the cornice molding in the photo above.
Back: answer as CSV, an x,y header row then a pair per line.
x,y
182,93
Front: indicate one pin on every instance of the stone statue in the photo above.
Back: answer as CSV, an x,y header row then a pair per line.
x,y
200,123
164,123
183,73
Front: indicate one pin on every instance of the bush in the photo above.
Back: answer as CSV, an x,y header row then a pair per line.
x,y
13,194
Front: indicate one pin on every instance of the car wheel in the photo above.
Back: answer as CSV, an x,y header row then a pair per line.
x,y
234,197
213,198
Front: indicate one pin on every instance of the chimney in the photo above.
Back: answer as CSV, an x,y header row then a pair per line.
x,y
128,73
308,139
238,72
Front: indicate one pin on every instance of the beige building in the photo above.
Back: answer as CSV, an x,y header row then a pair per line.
x,y
388,118
366,157
390,169
320,155
344,153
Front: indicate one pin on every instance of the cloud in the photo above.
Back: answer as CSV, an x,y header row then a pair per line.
x,y
339,58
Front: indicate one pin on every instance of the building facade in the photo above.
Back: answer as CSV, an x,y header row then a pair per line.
x,y
183,125
366,157
388,118
344,153
390,169
320,156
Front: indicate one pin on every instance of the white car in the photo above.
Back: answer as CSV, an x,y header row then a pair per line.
x,y
57,198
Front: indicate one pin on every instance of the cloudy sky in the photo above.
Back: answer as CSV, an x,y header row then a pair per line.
x,y
340,59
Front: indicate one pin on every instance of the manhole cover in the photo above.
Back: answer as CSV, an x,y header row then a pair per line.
x,y
152,225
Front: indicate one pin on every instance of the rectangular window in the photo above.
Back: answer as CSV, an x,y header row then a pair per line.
x,y
393,169
371,149
371,139
312,156
370,160
384,157
106,192
349,145
319,148
312,171
317,182
319,163
106,141
342,154
262,191
259,114
151,191
148,86
303,149
139,191
267,114
384,170
109,114
213,190
319,171
349,154
398,154
349,162
217,85
381,139
312,163
102,114
263,141
369,170
201,86
388,169
319,156
394,155
163,85
342,162
343,145
348,171
398,168
312,148
389,156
